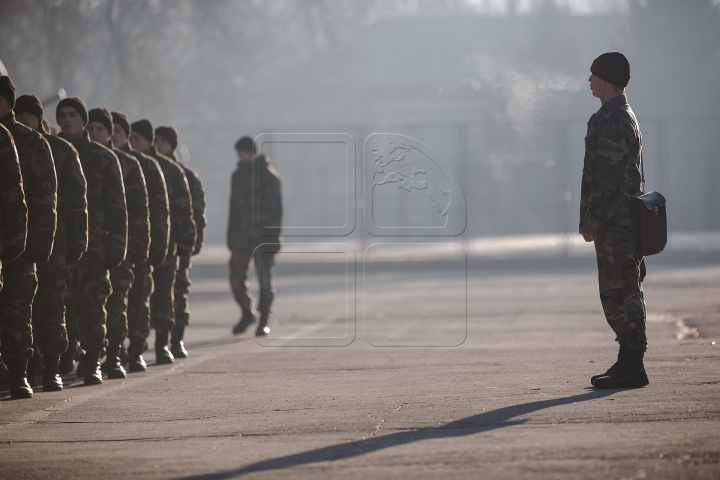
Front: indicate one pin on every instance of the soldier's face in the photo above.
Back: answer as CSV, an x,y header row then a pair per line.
x,y
139,143
163,146
71,123
597,86
118,136
28,119
245,156
98,133
4,106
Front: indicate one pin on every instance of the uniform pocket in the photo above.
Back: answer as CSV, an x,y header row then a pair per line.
x,y
622,271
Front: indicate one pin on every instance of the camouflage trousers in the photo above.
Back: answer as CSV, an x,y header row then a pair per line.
x,y
620,272
162,315
87,296
239,266
49,308
16,299
182,289
121,279
138,313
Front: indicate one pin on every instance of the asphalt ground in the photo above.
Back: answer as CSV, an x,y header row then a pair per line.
x,y
499,388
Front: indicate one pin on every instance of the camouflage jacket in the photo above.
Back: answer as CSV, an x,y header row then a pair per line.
x,y
107,212
611,171
182,225
157,204
40,184
241,233
197,194
136,198
13,210
72,214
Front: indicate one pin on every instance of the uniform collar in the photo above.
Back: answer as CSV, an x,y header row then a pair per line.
x,y
80,142
8,119
618,101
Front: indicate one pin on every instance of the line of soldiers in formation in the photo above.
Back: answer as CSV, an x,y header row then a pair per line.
x,y
97,227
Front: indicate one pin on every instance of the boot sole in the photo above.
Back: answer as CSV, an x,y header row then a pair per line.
x,y
21,396
115,375
164,361
52,388
636,383
93,381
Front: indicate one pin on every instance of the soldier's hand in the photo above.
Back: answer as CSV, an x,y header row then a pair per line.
x,y
589,237
73,256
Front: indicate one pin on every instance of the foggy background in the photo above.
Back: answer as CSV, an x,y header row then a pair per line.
x,y
498,88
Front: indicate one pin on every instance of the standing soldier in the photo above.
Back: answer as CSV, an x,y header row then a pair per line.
x,y
71,240
613,151
166,141
138,314
100,127
16,297
13,209
107,236
182,238
243,239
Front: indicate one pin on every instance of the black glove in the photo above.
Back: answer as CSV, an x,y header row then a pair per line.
x,y
111,262
156,257
73,256
35,256
10,253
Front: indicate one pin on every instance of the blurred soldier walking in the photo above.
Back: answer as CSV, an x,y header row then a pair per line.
x,y
100,128
20,278
138,312
166,141
107,237
182,238
242,236
613,152
71,240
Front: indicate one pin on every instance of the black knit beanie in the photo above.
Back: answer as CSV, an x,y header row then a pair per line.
x,y
102,116
613,67
121,119
76,103
245,144
31,104
144,128
169,133
7,90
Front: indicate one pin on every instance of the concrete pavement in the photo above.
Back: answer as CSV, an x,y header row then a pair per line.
x,y
512,401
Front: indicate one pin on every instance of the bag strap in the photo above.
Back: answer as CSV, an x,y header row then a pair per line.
x,y
642,174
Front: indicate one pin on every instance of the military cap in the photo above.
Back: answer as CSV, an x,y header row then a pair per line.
x,y
7,90
76,103
245,144
121,119
145,128
169,133
613,67
102,116
30,103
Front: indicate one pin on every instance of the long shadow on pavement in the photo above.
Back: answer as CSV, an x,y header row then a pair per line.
x,y
482,422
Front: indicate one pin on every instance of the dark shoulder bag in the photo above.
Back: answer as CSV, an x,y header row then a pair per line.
x,y
650,219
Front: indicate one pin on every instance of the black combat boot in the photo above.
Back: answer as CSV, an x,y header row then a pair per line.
x,y
629,372
91,370
621,355
3,373
112,365
17,371
34,364
137,362
51,375
67,359
263,330
177,346
162,352
247,319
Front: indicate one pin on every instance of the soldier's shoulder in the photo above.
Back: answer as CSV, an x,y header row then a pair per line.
x,y
60,145
126,158
102,151
20,131
4,133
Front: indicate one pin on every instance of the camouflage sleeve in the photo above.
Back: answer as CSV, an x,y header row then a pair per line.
x,y
271,201
182,212
136,197
605,183
585,188
40,182
115,209
197,191
76,208
13,210
159,209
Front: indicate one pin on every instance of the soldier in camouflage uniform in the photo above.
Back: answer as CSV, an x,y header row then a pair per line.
x,y
182,238
71,240
16,297
142,287
242,236
13,209
166,141
613,151
100,127
107,236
